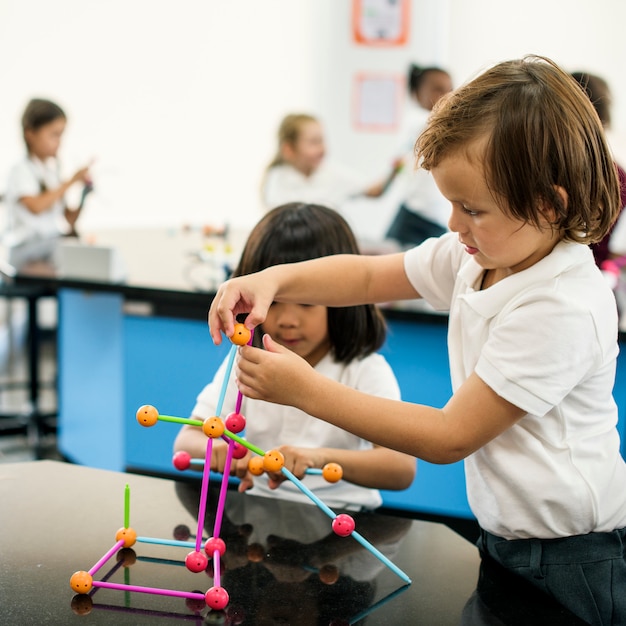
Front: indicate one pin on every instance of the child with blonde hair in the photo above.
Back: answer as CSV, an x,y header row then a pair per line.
x,y
301,172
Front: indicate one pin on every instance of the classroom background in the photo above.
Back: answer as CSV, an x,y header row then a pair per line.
x,y
179,102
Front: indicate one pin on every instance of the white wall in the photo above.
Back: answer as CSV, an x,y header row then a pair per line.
x,y
179,101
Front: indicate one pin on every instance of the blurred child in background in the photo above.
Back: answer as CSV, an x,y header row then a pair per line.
x,y
35,194
423,211
301,171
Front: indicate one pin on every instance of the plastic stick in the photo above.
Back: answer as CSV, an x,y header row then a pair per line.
x,y
126,582
239,401
377,605
155,590
180,420
309,493
380,556
167,542
107,556
243,442
229,367
126,506
239,394
153,559
198,619
219,513
366,544
203,493
216,569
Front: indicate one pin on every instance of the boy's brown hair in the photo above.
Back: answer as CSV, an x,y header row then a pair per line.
x,y
542,133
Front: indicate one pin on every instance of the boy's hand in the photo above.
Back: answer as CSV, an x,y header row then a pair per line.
x,y
275,374
243,295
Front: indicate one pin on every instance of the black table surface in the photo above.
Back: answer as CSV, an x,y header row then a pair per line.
x,y
57,518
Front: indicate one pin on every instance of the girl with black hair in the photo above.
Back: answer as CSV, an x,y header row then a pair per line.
x,y
340,343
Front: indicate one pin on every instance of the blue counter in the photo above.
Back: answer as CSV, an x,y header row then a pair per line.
x,y
112,361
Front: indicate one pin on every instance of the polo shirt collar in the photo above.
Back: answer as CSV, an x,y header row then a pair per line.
x,y
490,302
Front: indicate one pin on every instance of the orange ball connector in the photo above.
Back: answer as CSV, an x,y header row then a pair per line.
x,y
241,336
332,472
129,535
213,427
81,582
273,461
255,465
147,415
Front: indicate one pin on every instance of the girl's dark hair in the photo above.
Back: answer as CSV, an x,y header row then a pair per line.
x,y
417,75
541,133
39,112
298,232
597,90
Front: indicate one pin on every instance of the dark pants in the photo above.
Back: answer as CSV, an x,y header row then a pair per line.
x,y
409,229
585,573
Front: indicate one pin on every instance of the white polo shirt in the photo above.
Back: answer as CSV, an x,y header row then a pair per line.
x,y
271,425
545,339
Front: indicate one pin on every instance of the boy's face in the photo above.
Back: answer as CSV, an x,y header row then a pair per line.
x,y
496,241
45,141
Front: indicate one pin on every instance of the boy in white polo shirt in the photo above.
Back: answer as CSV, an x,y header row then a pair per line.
x,y
520,154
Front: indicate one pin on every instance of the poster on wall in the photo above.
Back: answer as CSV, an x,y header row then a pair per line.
x,y
377,102
380,22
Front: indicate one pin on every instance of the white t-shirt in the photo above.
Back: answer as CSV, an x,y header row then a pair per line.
x,y
545,339
26,179
419,191
329,185
271,425
30,235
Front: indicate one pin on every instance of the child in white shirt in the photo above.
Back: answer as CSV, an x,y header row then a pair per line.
x,y
339,343
522,157
35,195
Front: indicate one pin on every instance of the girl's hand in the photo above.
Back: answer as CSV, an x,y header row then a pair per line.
x,y
81,175
297,461
238,467
275,374
252,295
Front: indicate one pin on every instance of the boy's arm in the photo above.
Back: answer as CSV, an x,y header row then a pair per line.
x,y
340,280
472,417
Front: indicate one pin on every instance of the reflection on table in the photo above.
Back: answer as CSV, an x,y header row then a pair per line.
x,y
283,564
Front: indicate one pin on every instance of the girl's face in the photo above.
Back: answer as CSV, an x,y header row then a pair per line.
x,y
301,328
308,151
434,86
45,141
498,242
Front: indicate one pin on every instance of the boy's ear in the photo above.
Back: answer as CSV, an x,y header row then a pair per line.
x,y
564,195
548,211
